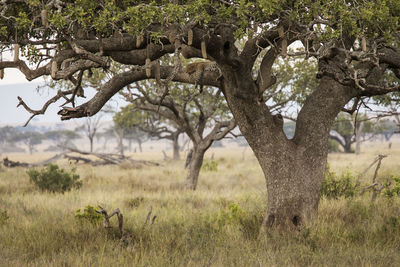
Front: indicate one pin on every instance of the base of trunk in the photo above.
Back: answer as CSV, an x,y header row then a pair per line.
x,y
292,216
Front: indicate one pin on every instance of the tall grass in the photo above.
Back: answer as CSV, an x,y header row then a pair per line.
x,y
215,226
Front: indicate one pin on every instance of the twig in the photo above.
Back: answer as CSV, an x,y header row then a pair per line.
x,y
106,222
375,186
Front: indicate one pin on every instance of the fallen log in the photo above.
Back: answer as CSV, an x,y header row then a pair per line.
x,y
110,158
105,159
77,159
11,164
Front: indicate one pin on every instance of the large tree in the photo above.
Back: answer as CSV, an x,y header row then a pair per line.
x,y
354,42
203,115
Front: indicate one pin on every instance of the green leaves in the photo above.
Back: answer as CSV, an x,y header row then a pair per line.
x,y
54,180
23,21
89,214
3,217
370,18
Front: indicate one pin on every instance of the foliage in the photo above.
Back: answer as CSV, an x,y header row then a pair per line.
x,y
62,138
30,139
3,217
53,179
210,165
333,146
232,214
392,188
295,80
89,214
7,139
344,124
334,187
130,120
135,202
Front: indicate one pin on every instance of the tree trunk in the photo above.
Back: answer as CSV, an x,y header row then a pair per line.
x,y
194,168
105,144
140,145
347,143
91,144
130,145
359,128
175,147
294,178
121,146
293,168
31,148
188,158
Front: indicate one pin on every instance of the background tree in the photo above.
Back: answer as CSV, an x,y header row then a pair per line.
x,y
354,42
90,128
62,138
126,124
107,134
30,139
7,139
150,124
192,111
349,129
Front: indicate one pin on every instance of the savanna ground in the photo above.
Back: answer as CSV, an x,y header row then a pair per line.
x,y
217,225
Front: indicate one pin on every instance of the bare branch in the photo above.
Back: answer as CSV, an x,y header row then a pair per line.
x,y
60,94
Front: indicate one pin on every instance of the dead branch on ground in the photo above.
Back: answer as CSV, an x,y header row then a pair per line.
x,y
126,237
375,186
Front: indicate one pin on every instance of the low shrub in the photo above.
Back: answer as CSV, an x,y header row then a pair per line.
x,y
392,187
89,214
3,217
334,187
210,165
135,202
53,179
231,215
333,146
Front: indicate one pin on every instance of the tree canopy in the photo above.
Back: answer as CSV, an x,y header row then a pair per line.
x,y
64,39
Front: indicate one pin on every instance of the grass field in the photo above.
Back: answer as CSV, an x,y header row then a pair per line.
x,y
215,226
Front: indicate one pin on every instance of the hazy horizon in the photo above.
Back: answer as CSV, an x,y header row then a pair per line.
x,y
35,99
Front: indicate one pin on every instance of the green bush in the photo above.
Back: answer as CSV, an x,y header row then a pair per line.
x,y
210,165
333,146
334,187
89,214
53,179
3,217
392,188
233,214
135,202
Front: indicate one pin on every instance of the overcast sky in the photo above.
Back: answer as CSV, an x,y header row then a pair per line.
x,y
14,84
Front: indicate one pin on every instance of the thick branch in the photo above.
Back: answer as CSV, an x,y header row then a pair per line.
x,y
121,80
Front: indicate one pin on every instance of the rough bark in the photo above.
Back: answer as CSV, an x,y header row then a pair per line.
x,y
194,168
293,168
175,147
348,143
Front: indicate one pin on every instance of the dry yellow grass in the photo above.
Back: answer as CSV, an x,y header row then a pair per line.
x,y
192,228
